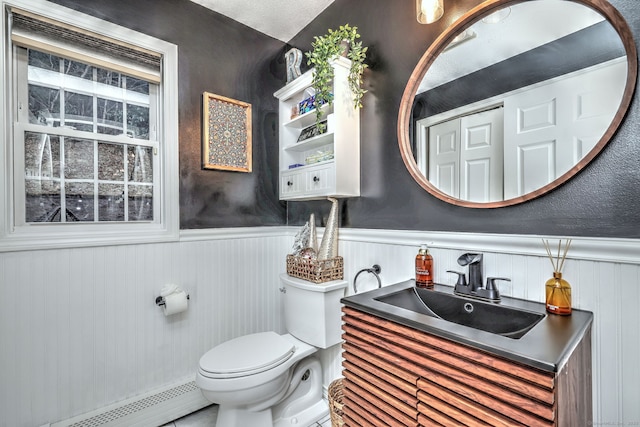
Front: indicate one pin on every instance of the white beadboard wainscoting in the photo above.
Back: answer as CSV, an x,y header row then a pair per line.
x,y
80,330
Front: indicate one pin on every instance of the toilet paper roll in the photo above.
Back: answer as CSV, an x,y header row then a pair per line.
x,y
175,303
168,290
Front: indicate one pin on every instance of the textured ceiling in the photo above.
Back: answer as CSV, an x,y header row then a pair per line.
x,y
280,19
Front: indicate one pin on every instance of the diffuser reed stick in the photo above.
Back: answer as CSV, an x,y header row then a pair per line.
x,y
564,255
558,263
558,290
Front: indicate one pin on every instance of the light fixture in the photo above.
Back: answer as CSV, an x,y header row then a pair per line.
x,y
467,34
429,11
497,16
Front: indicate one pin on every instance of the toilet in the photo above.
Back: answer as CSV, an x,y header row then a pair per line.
x,y
271,380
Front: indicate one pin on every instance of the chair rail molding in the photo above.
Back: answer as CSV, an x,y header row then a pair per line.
x,y
585,248
625,251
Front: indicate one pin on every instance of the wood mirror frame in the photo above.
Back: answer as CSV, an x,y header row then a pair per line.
x,y
603,7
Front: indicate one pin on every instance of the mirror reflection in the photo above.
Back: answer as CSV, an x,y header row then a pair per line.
x,y
517,100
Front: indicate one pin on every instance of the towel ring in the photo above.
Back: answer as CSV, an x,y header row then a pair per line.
x,y
375,270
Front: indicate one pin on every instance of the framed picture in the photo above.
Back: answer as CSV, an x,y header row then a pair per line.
x,y
226,133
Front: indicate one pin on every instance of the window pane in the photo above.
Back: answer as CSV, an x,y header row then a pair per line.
x,y
42,178
41,156
109,117
43,207
78,69
78,111
140,203
44,105
79,200
111,202
111,78
138,121
110,162
44,60
140,164
137,85
78,158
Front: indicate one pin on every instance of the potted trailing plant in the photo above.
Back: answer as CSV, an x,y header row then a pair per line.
x,y
342,41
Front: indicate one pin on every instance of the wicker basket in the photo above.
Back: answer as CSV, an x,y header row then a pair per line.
x,y
316,271
335,402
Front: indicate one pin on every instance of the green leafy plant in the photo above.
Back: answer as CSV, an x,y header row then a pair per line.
x,y
328,47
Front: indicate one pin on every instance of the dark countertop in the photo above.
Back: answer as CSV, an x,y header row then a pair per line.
x,y
546,346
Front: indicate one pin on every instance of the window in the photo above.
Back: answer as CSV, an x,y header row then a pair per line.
x,y
92,125
80,175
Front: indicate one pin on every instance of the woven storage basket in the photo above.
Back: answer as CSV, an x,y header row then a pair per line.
x,y
316,271
335,393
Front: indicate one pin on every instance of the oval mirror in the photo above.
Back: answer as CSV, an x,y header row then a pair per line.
x,y
515,98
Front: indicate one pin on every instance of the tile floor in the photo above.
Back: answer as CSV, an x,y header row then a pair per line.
x,y
206,417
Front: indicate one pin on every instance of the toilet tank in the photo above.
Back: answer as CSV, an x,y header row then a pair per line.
x,y
312,312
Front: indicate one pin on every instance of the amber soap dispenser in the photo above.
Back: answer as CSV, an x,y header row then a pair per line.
x,y
424,268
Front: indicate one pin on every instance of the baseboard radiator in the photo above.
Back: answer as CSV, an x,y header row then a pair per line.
x,y
149,410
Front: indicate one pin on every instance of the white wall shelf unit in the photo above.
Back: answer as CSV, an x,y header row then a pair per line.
x,y
327,164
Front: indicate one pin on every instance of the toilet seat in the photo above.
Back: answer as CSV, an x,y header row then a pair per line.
x,y
246,355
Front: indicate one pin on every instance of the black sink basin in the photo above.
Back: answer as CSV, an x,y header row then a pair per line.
x,y
516,329
497,319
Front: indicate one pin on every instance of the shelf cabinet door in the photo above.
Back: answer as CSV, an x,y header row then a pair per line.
x,y
320,179
291,184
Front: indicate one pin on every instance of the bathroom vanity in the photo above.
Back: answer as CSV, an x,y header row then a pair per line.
x,y
404,366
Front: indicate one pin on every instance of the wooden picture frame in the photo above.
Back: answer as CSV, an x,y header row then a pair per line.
x,y
226,133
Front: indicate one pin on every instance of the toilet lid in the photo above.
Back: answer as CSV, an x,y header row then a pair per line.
x,y
246,355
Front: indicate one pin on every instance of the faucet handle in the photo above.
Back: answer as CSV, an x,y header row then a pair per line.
x,y
462,279
491,282
491,290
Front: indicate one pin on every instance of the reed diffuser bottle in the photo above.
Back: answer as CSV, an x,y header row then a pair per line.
x,y
558,290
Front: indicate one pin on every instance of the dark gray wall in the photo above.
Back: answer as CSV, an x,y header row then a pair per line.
x,y
603,200
224,57
217,55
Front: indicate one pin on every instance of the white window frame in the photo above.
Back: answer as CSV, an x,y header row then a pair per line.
x,y
165,227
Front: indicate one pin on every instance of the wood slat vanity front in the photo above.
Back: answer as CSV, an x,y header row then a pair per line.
x,y
395,375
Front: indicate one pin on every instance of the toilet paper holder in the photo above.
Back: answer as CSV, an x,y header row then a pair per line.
x,y
160,300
